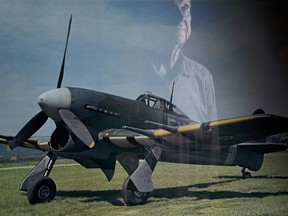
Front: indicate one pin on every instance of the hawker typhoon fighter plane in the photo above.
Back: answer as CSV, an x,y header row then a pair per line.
x,y
97,129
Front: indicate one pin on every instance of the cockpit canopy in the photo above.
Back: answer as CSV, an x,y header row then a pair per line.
x,y
156,102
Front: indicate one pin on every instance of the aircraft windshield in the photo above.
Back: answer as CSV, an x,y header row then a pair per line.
x,y
159,103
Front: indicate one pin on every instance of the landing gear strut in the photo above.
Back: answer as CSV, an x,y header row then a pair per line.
x,y
39,186
138,186
245,175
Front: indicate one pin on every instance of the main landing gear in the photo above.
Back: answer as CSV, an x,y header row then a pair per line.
x,y
138,186
245,175
135,190
40,188
131,195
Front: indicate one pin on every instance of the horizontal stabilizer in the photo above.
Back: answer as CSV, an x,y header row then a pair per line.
x,y
263,148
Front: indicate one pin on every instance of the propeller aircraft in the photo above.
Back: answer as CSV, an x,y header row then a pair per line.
x,y
97,129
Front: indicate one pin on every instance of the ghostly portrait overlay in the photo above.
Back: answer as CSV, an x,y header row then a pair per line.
x,y
194,88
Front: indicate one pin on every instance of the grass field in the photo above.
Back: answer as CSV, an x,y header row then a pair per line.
x,y
178,190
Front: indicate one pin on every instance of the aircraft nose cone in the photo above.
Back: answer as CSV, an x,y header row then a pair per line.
x,y
51,101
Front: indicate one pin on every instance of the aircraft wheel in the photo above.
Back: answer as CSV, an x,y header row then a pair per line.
x,y
246,175
41,190
131,196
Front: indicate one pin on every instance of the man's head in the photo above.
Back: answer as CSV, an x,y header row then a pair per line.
x,y
184,7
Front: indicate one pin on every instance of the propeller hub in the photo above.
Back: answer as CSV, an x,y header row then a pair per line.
x,y
53,100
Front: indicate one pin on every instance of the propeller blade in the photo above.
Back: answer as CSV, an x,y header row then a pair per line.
x,y
64,57
29,129
39,120
77,127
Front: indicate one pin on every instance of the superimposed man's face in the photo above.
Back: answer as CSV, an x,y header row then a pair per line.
x,y
184,6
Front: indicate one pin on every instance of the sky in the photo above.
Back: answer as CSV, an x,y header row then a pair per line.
x,y
243,43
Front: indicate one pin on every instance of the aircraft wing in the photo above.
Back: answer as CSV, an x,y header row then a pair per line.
x,y
38,143
229,132
247,131
242,129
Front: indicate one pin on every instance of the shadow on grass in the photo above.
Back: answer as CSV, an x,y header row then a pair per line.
x,y
212,195
253,177
208,184
112,196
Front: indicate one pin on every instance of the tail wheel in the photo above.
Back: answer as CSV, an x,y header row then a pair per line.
x,y
41,190
246,175
131,195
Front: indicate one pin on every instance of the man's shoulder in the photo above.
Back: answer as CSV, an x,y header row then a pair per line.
x,y
197,68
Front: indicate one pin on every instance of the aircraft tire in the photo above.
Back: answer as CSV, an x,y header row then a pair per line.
x,y
246,175
131,196
41,190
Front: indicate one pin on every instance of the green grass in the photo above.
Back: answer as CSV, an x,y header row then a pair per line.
x,y
178,190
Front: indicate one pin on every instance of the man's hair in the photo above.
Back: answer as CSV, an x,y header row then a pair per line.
x,y
179,1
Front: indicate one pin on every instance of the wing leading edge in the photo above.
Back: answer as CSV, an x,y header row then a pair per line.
x,y
247,131
38,143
